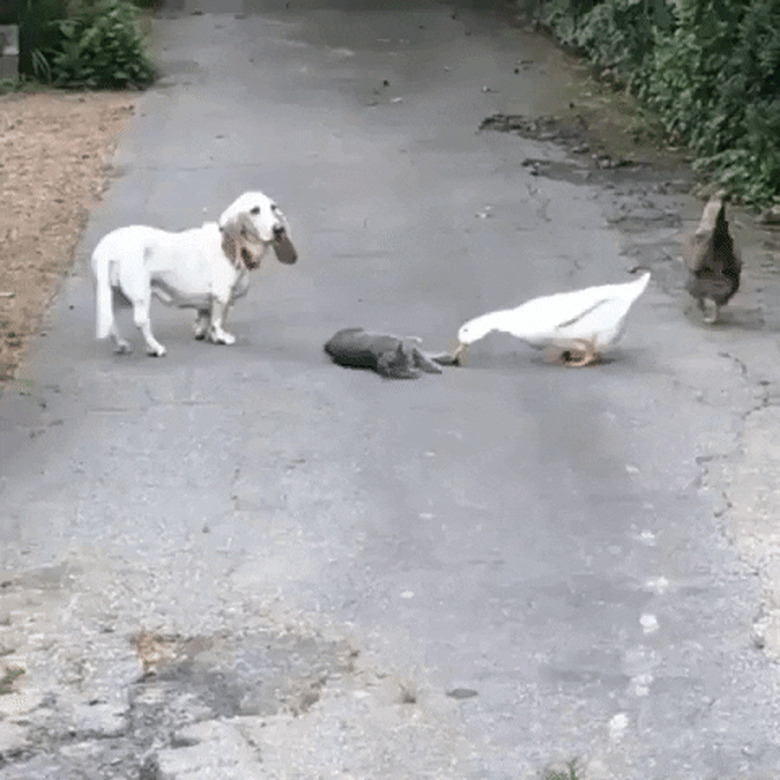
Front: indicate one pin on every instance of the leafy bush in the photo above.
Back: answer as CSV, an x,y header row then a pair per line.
x,y
8,12
711,68
100,46
37,33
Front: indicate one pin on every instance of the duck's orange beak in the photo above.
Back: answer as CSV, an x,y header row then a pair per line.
x,y
459,352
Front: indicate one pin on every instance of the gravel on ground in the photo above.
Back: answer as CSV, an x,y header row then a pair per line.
x,y
55,161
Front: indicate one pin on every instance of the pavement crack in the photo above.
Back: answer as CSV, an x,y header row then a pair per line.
x,y
234,488
744,504
743,369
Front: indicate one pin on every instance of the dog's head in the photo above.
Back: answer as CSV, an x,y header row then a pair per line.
x,y
252,224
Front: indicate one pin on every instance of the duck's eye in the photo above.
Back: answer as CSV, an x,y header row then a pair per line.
x,y
255,211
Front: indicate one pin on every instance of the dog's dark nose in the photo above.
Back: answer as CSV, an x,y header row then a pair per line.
x,y
278,231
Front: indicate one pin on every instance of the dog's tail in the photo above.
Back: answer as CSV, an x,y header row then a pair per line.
x,y
104,314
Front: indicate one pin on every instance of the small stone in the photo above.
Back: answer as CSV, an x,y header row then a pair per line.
x,y
649,623
462,693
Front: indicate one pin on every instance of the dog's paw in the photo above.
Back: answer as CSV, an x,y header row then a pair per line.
x,y
156,351
201,328
221,337
123,348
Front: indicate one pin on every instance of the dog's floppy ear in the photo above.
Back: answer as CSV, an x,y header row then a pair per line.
x,y
237,233
283,248
231,240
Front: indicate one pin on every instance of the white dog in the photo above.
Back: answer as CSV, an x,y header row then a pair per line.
x,y
204,268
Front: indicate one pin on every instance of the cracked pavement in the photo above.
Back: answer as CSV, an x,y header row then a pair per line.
x,y
248,562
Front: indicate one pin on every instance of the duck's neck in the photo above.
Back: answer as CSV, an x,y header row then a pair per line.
x,y
480,326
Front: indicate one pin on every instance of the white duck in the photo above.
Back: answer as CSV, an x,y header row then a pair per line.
x,y
574,326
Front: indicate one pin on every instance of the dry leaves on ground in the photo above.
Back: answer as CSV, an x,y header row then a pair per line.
x,y
55,153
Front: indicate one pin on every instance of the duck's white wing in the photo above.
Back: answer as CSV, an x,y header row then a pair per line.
x,y
601,323
583,316
594,313
548,315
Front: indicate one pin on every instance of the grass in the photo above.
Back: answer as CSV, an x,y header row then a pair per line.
x,y
570,773
8,677
22,84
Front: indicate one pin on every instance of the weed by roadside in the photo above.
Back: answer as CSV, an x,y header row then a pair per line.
x,y
570,773
7,86
7,678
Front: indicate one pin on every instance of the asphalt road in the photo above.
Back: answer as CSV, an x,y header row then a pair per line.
x,y
324,573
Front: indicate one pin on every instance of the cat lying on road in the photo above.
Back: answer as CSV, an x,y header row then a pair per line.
x,y
390,356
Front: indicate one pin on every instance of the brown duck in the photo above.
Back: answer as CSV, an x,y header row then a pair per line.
x,y
713,264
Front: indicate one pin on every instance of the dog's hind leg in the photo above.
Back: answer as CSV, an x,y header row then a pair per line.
x,y
137,289
141,319
202,324
105,293
122,346
108,327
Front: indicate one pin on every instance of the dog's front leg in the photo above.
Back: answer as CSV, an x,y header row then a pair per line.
x,y
217,335
202,322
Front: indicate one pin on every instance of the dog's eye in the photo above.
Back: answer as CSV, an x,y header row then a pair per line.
x,y
274,208
255,210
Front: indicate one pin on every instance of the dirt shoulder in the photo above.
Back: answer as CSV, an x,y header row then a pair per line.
x,y
55,156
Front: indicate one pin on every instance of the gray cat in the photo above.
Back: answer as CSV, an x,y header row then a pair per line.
x,y
390,356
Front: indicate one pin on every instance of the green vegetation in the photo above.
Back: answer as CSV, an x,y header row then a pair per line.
x,y
37,34
570,773
709,68
93,44
8,86
7,11
7,678
101,46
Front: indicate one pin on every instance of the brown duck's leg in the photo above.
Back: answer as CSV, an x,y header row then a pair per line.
x,y
711,310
